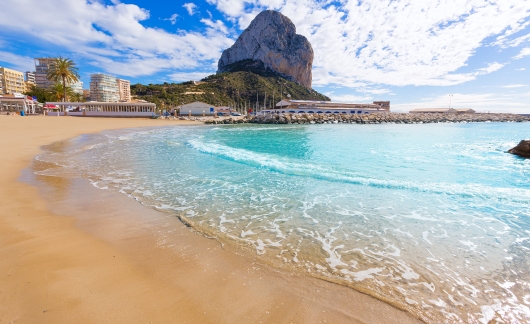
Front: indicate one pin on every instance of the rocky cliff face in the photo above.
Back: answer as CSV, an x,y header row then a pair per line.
x,y
271,38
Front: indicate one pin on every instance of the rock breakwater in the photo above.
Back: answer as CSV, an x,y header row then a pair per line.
x,y
380,118
522,149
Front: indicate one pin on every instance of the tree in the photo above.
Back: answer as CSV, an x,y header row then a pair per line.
x,y
58,93
41,93
63,70
77,97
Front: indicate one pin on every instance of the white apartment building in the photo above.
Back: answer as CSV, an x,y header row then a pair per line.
x,y
77,87
42,66
124,87
30,80
104,88
30,77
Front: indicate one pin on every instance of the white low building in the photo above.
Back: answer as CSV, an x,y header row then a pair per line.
x,y
325,107
197,108
18,103
105,109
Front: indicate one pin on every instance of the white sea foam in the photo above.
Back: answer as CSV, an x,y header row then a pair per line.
x,y
286,166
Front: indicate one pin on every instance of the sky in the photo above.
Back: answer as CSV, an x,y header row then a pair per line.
x,y
414,53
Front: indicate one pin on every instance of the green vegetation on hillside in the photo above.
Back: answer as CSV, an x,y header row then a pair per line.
x,y
232,88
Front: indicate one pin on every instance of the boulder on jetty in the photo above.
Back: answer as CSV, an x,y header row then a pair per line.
x,y
271,41
522,149
378,118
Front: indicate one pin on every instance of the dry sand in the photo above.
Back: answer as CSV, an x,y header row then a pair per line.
x,y
108,259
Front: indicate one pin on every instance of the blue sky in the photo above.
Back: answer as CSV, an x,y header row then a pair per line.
x,y
413,53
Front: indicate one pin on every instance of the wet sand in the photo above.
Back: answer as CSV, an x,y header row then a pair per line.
x,y
85,255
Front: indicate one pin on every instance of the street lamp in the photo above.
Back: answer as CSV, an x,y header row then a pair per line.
x,y
450,97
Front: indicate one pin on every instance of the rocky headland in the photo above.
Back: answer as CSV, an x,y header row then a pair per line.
x,y
271,41
380,118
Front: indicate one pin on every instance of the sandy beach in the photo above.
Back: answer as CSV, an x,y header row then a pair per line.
x,y
100,261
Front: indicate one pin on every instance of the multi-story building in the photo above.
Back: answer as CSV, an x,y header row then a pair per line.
x,y
1,82
30,76
104,88
42,66
124,86
86,94
30,80
13,81
384,104
77,87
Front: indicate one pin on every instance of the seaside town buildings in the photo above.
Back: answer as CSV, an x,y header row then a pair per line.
x,y
197,108
12,81
30,77
42,66
29,80
104,88
124,88
384,104
328,107
77,87
107,88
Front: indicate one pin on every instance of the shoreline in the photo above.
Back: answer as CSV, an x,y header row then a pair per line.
x,y
90,265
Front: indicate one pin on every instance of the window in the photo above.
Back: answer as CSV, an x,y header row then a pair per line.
x,y
328,112
319,112
310,112
300,112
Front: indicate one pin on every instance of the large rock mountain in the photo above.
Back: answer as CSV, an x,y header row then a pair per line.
x,y
271,39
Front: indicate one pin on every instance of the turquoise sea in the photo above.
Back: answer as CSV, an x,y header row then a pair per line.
x,y
433,218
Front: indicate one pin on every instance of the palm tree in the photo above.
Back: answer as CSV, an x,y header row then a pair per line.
x,y
63,70
78,97
58,93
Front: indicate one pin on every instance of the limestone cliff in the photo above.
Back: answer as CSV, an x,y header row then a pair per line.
x,y
271,38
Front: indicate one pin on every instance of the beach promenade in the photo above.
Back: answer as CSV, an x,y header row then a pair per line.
x,y
97,261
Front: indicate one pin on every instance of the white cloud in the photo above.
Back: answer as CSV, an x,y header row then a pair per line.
x,y
190,7
172,19
521,69
515,86
499,103
189,76
348,98
524,52
216,25
401,42
492,67
111,37
17,62
356,43
374,91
